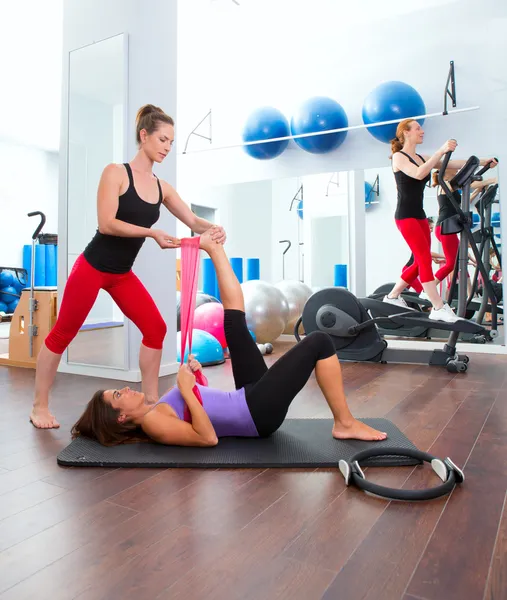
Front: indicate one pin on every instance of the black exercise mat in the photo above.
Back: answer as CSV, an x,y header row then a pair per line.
x,y
298,443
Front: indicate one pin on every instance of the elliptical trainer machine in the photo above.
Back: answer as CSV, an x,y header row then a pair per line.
x,y
339,313
461,223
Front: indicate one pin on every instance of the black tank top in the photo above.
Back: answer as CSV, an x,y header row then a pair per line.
x,y
410,194
445,208
115,254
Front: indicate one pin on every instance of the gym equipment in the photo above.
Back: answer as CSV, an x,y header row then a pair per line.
x,y
299,443
237,267
389,101
3,307
427,330
296,294
51,264
209,278
6,279
205,348
461,222
356,338
8,294
263,124
319,114
485,237
253,269
448,472
267,310
210,317
23,349
201,298
340,275
269,348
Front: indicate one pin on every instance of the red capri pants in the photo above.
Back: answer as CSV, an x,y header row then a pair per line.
x,y
416,233
125,289
450,246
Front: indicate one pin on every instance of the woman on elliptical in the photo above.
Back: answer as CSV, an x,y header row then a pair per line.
x,y
450,242
412,171
256,408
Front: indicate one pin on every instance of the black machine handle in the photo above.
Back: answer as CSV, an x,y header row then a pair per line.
x,y
485,168
41,224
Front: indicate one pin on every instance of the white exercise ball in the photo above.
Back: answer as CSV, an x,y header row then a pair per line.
x,y
266,310
297,293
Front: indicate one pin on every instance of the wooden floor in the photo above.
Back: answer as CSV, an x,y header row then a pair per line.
x,y
262,534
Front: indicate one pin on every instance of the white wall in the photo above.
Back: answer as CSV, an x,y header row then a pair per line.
x,y
29,182
244,210
31,73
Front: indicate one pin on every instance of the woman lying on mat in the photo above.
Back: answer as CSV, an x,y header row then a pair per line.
x,y
258,406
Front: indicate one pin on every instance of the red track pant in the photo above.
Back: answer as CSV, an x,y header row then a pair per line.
x,y
126,290
416,233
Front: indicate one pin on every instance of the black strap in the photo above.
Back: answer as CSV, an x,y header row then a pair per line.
x,y
130,174
411,159
450,474
160,195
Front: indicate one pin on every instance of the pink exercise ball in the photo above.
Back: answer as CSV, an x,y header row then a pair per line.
x,y
210,317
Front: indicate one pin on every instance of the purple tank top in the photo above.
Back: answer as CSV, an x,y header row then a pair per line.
x,y
228,411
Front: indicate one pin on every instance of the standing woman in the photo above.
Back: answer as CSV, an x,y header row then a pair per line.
x,y
412,171
128,205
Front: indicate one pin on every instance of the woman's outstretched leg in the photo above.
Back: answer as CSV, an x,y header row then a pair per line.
x,y
231,293
248,364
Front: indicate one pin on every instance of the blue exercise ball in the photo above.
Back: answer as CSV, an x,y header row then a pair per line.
x,y
6,279
19,281
11,307
8,294
388,101
205,348
264,124
319,114
3,307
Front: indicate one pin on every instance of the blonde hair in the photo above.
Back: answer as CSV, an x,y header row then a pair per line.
x,y
149,117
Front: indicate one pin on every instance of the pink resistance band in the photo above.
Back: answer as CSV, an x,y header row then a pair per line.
x,y
189,276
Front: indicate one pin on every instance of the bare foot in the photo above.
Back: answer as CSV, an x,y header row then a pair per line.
x,y
356,430
43,419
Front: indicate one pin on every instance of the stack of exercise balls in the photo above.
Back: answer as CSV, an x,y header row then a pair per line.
x,y
389,101
271,310
11,284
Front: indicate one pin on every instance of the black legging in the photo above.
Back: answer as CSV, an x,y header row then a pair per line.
x,y
269,392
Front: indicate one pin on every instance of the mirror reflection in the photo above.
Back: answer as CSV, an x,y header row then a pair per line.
x,y
96,138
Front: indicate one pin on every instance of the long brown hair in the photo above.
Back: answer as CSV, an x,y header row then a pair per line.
x,y
99,421
398,142
149,117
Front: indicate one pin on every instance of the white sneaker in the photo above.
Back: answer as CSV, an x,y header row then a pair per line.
x,y
397,301
445,314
